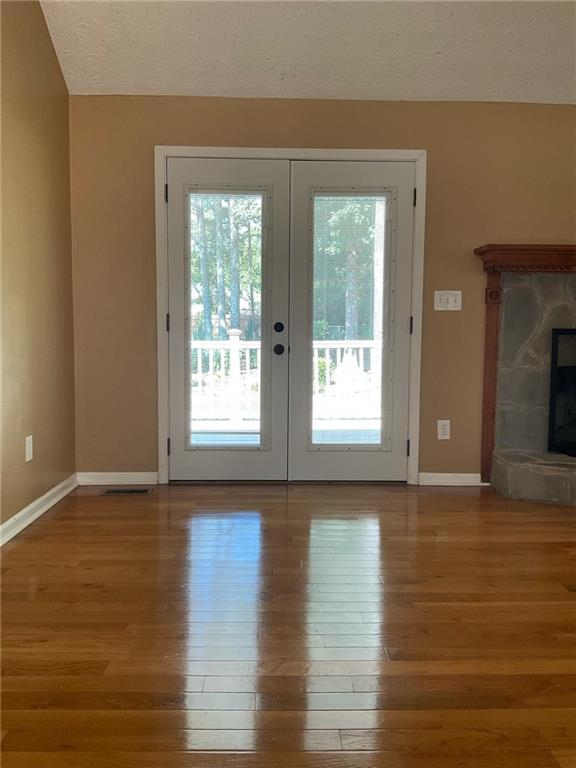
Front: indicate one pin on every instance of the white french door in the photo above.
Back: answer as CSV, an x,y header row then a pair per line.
x,y
350,285
289,308
228,257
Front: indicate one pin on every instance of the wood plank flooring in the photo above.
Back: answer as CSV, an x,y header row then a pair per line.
x,y
298,627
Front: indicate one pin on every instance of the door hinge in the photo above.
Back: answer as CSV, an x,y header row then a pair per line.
x,y
166,193
414,199
168,446
411,325
167,322
407,447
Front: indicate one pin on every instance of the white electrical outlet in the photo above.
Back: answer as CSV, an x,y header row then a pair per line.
x,y
29,448
448,300
443,429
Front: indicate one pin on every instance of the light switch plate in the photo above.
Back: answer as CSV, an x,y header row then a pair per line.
x,y
448,300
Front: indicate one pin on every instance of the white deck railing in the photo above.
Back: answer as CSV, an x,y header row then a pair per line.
x,y
225,378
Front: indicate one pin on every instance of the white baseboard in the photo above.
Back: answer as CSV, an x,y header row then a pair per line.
x,y
449,478
32,512
117,478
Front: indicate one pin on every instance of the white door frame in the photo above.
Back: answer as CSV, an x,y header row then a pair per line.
x,y
416,156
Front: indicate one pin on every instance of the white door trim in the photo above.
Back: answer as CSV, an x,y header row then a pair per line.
x,y
416,156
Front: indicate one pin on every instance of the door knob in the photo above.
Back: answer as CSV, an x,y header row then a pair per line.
x,y
278,327
278,349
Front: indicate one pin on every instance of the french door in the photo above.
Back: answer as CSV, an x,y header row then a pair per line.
x,y
289,308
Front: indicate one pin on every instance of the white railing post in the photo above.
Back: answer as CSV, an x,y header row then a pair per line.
x,y
235,375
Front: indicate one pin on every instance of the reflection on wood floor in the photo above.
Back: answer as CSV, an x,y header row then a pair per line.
x,y
301,627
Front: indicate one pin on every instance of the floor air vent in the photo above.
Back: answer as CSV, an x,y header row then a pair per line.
x,y
126,491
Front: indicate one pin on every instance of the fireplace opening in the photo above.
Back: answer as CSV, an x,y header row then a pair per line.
x,y
562,413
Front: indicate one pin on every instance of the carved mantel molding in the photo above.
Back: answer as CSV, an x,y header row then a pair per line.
x,y
527,258
496,259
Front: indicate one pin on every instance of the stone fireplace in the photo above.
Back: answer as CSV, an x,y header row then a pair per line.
x,y
531,292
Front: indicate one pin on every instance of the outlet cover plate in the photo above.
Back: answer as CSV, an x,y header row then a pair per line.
x,y
443,429
29,442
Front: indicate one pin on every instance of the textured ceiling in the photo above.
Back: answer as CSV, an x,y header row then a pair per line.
x,y
472,51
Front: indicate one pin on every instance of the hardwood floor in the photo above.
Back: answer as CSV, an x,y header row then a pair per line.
x,y
299,627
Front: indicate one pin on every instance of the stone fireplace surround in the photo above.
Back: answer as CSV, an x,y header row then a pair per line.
x,y
530,290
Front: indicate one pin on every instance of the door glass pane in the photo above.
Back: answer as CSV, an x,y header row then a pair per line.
x,y
224,309
348,318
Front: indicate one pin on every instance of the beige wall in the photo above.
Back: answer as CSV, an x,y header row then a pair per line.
x,y
496,172
37,337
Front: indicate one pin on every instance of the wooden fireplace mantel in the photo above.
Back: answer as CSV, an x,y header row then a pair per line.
x,y
498,258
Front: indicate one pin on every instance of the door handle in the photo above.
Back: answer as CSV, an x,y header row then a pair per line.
x,y
278,327
278,349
